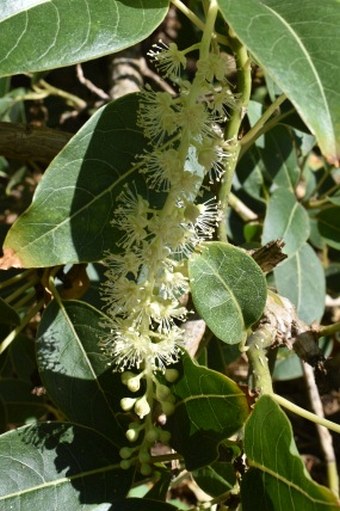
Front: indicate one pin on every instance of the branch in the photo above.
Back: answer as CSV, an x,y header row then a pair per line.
x,y
24,142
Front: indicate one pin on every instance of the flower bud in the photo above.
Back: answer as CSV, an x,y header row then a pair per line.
x,y
142,407
127,403
171,375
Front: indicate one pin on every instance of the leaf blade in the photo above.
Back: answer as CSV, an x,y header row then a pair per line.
x,y
74,370
59,462
69,218
35,35
209,408
299,52
277,480
228,289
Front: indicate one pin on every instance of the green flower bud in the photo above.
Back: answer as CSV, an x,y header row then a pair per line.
x,y
127,403
171,375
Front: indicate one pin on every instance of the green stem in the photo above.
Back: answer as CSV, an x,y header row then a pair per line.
x,y
282,401
241,209
20,291
329,330
24,300
274,121
10,337
234,124
16,278
195,20
252,134
257,343
208,29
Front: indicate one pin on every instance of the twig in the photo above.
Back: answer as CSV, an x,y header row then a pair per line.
x,y
241,209
90,85
325,437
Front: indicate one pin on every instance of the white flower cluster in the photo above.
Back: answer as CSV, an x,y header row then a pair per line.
x,y
147,278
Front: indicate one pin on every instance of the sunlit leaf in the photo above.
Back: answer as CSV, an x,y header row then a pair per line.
x,y
74,370
228,289
297,44
209,408
39,34
59,466
277,479
69,219
301,279
286,219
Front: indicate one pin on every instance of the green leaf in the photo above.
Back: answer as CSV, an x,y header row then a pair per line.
x,y
228,289
74,370
217,478
335,199
59,466
301,279
38,34
69,218
280,158
209,408
297,44
329,226
19,401
277,479
286,219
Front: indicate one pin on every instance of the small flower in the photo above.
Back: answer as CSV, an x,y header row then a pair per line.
x,y
157,114
130,348
222,101
195,119
126,295
121,265
215,66
168,59
207,219
132,216
213,157
161,168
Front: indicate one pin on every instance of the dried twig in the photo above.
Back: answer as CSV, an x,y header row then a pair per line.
x,y
325,437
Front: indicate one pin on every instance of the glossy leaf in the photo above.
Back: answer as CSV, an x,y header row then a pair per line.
x,y
297,44
329,226
301,279
286,219
228,290
59,466
69,218
209,408
36,34
277,479
74,370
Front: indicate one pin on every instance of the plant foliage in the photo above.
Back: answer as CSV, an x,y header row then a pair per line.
x,y
139,337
